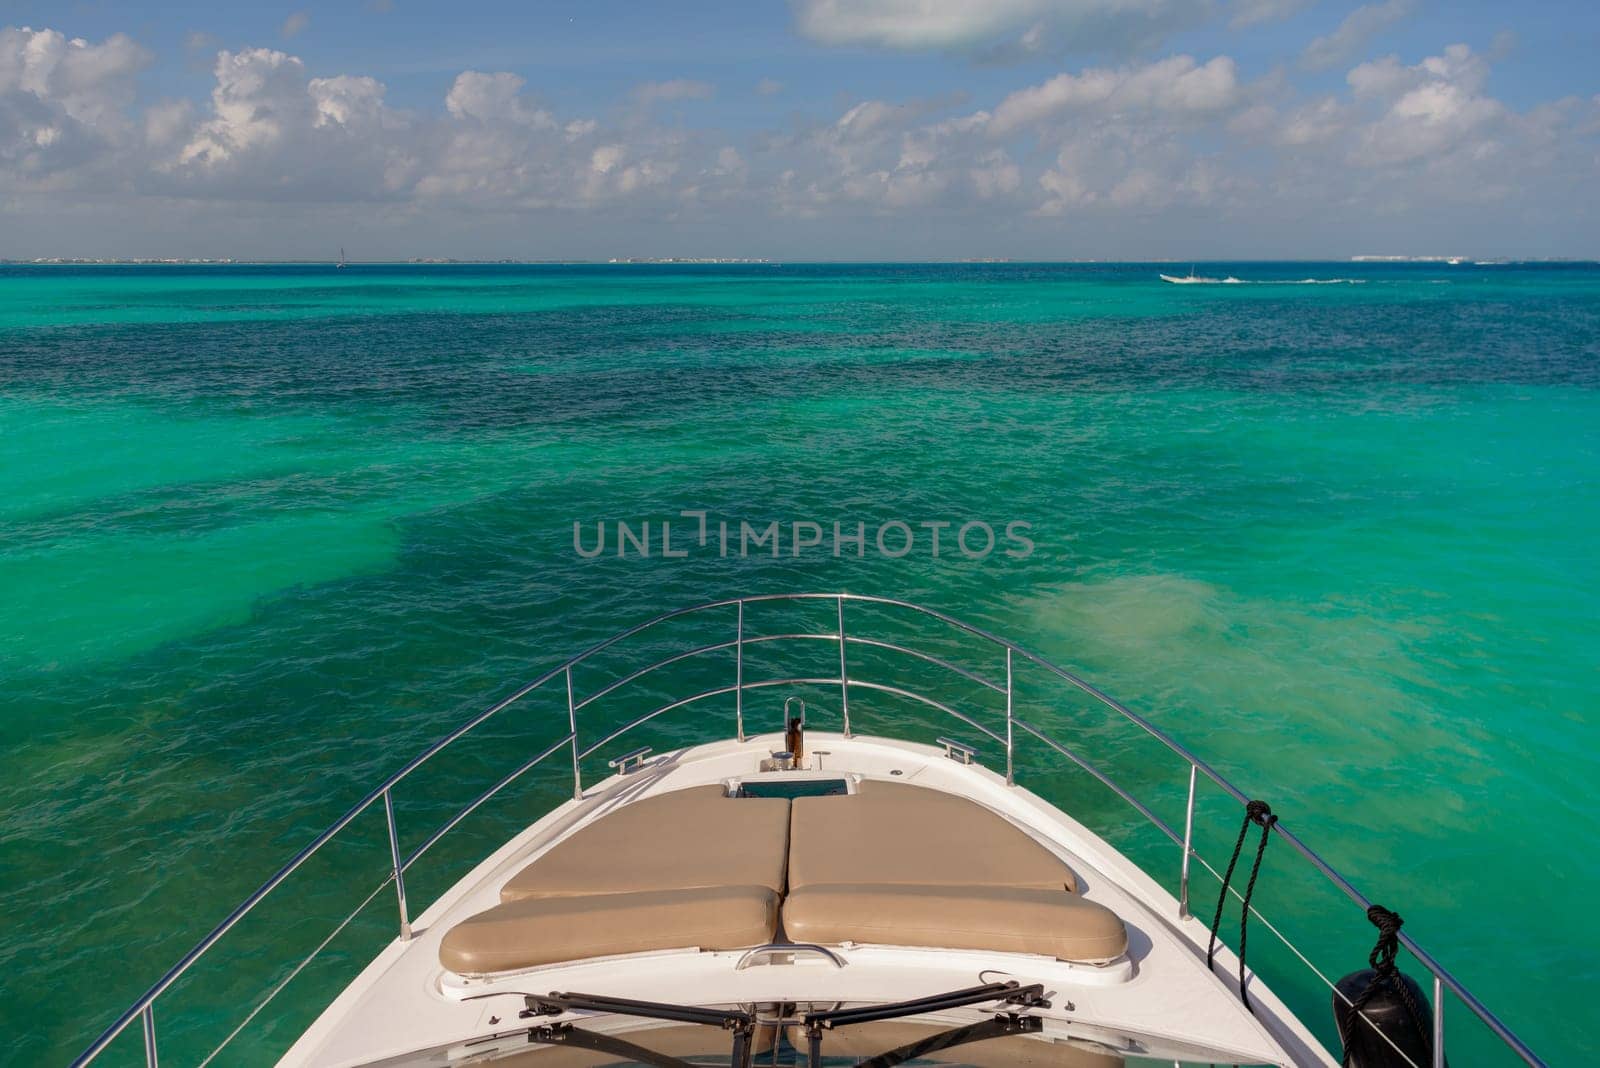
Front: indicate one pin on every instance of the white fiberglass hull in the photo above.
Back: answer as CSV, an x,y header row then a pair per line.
x,y
1159,1000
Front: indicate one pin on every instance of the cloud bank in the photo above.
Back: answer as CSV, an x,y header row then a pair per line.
x,y
995,29
1112,149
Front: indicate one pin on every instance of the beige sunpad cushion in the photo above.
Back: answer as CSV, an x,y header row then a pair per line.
x,y
1005,919
890,833
862,1041
674,841
534,931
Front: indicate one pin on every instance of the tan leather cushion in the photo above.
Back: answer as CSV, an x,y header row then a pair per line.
x,y
861,1041
1002,918
522,934
675,841
890,833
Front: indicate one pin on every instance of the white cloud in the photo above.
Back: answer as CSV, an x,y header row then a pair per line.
x,y
497,97
260,92
167,123
275,134
914,24
502,151
867,116
1388,77
874,155
614,169
1380,78
1317,122
882,157
769,87
1358,27
64,101
294,24
1129,168
346,100
1435,108
1108,142
90,83
994,174
1426,141
1255,12
1007,28
1175,85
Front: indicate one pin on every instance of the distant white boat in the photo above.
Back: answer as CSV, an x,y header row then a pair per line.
x,y
341,265
1193,279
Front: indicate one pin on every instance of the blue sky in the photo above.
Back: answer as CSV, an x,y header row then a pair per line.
x,y
854,129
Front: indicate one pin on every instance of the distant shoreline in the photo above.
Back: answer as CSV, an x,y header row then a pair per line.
x,y
67,261
175,261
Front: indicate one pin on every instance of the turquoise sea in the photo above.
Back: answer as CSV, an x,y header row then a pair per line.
x,y
265,531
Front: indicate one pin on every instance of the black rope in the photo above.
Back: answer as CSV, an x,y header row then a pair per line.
x,y
1259,813
1385,974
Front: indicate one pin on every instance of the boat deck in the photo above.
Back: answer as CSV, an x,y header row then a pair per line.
x,y
1149,995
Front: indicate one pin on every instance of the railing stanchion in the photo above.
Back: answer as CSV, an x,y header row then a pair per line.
x,y
1188,847
148,1016
1011,775
844,677
1438,1022
738,673
399,870
572,725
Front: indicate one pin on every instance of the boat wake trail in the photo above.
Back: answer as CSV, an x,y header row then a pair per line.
x,y
1309,282
1190,280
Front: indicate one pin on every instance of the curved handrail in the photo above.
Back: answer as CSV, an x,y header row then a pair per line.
x,y
788,947
472,806
1160,824
143,1007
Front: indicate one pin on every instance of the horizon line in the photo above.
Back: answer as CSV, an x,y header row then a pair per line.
x,y
744,261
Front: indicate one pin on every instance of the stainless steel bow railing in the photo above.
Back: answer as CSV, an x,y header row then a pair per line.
x,y
143,1009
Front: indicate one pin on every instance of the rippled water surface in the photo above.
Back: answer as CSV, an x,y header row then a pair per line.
x,y
269,530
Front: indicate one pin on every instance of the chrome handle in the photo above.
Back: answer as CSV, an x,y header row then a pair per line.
x,y
632,760
957,751
788,947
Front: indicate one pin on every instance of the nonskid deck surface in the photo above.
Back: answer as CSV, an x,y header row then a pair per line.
x,y
1147,991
